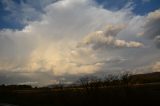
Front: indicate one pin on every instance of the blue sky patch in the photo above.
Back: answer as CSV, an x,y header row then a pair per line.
x,y
10,20
140,7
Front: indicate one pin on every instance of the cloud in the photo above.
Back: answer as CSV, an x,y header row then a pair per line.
x,y
156,66
24,11
151,26
157,41
107,38
72,38
151,67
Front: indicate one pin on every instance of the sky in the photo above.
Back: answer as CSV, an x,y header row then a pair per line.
x,y
45,42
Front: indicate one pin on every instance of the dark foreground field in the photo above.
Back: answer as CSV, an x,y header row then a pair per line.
x,y
119,93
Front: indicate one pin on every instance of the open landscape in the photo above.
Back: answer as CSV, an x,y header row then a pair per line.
x,y
79,52
129,90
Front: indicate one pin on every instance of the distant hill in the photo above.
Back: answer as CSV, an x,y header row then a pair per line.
x,y
146,78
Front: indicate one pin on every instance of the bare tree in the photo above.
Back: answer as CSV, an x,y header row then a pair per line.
x,y
95,82
126,78
111,80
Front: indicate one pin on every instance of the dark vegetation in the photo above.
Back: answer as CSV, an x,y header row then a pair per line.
x,y
125,89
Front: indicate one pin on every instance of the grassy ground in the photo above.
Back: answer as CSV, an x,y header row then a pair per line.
x,y
119,95
95,94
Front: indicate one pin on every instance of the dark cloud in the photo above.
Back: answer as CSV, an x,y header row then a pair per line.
x,y
8,77
152,27
157,41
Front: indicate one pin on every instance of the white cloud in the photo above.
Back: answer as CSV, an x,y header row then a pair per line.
x,y
107,38
51,45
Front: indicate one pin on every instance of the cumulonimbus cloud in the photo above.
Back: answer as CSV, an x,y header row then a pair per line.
x,y
64,40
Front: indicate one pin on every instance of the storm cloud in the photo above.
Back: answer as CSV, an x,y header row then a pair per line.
x,y
69,38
